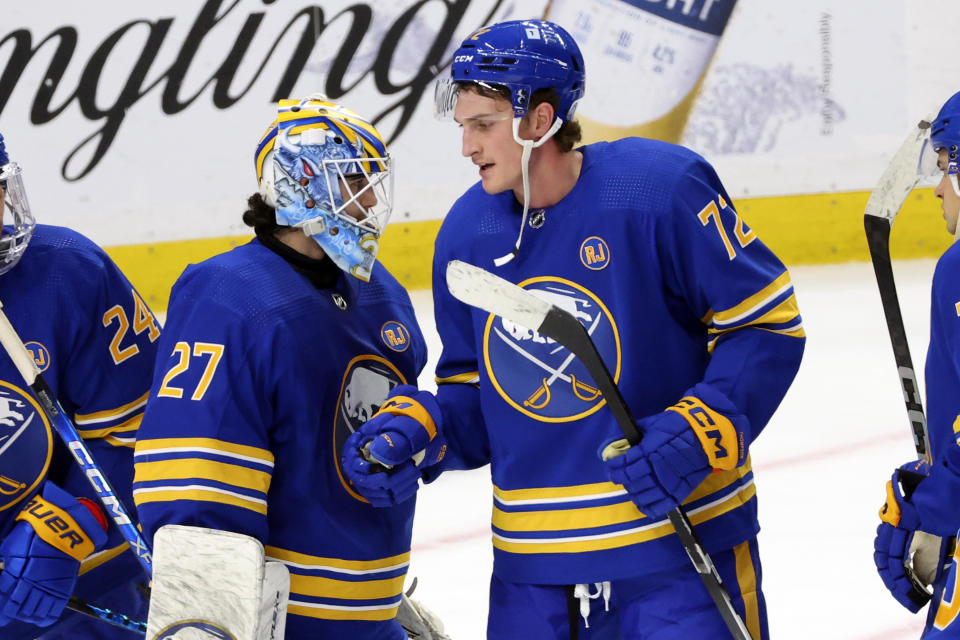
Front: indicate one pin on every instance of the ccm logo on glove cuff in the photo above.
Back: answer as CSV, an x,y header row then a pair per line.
x,y
720,440
407,406
57,528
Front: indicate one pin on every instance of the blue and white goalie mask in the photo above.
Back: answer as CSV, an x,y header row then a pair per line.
x,y
326,170
18,223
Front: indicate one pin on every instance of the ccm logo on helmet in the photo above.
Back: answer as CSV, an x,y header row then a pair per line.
x,y
462,58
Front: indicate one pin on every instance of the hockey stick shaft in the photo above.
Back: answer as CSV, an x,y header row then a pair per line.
x,y
107,615
885,202
25,364
493,294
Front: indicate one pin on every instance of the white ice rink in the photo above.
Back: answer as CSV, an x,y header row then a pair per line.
x,y
820,466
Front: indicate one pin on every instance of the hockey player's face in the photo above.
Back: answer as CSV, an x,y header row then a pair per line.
x,y
946,191
358,208
488,140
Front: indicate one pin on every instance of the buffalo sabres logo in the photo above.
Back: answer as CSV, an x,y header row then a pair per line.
x,y
194,630
41,355
26,444
365,386
539,377
395,335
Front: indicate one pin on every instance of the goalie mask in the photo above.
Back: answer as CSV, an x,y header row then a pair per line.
x,y
326,170
18,222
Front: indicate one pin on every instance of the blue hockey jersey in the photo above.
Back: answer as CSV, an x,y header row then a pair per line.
x,y
262,377
649,254
94,340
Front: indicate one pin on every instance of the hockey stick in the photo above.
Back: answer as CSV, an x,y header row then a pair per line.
x,y
25,364
896,183
479,288
107,615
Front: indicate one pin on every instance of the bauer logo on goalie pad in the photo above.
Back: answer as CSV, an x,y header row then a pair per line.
x,y
194,630
539,377
26,445
366,384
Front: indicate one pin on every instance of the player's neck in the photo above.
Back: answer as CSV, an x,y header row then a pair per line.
x,y
301,243
553,174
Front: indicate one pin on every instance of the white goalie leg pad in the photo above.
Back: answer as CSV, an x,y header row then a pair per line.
x,y
210,584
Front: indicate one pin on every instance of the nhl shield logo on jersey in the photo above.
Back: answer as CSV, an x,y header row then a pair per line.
x,y
26,444
594,253
366,383
395,335
539,377
41,355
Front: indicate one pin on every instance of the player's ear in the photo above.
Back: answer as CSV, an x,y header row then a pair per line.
x,y
541,118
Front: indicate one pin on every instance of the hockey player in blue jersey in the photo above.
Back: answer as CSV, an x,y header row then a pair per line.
x,y
921,497
94,339
693,315
273,354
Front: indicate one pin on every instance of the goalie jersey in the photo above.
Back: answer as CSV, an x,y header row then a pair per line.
x,y
261,378
648,253
94,340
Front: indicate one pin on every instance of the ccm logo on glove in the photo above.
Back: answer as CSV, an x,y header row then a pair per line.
x,y
718,437
57,528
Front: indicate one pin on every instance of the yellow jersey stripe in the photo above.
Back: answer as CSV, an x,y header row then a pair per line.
x,y
588,517
470,377
130,424
345,589
121,442
747,580
209,445
198,493
102,557
783,312
187,468
110,414
754,302
618,539
334,612
304,561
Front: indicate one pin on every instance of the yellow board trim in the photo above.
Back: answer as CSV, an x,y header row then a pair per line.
x,y
818,228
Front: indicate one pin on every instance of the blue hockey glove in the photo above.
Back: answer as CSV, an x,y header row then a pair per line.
x,y
679,449
385,458
42,555
899,522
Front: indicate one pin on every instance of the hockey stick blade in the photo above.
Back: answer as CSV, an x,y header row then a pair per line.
x,y
65,428
900,176
481,289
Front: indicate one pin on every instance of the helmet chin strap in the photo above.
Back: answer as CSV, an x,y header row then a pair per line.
x,y
956,190
528,147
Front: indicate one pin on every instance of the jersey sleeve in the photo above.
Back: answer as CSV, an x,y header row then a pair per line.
x,y
723,275
203,456
458,374
104,378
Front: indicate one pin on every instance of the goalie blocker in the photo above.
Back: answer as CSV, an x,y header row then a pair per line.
x,y
215,584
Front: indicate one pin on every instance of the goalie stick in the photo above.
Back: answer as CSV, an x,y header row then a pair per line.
x,y
896,183
479,288
107,615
